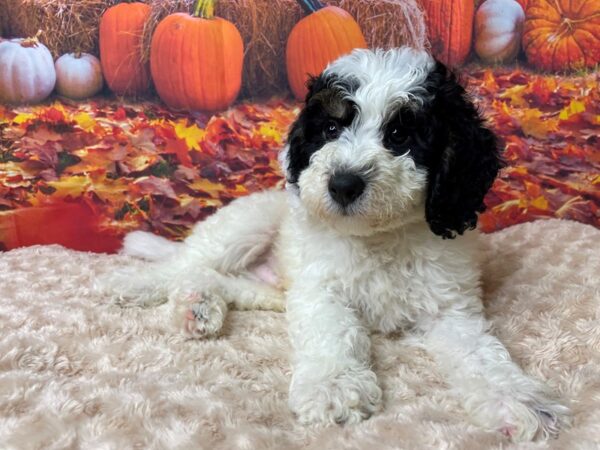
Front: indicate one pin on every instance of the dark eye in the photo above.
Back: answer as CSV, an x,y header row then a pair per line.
x,y
397,136
332,130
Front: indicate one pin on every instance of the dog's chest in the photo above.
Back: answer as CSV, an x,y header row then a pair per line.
x,y
381,282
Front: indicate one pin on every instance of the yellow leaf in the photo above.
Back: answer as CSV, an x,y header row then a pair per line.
x,y
268,130
71,186
515,95
204,185
575,107
533,124
84,120
23,117
192,135
540,203
112,191
517,170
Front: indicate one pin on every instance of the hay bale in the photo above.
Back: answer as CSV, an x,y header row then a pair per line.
x,y
3,19
266,24
66,25
388,23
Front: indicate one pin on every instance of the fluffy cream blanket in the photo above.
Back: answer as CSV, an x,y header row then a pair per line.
x,y
76,372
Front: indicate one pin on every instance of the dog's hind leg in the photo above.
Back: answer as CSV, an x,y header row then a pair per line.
x,y
228,241
238,234
210,260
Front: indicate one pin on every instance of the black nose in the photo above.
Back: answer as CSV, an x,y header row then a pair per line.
x,y
345,187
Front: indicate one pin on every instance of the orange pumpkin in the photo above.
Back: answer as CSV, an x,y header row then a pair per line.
x,y
121,46
196,60
449,28
327,33
562,34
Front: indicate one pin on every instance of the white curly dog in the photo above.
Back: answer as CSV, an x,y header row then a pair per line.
x,y
386,169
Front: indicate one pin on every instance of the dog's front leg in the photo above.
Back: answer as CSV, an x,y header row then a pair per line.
x,y
494,390
332,381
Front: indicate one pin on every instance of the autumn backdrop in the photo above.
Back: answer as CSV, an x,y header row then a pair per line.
x,y
151,115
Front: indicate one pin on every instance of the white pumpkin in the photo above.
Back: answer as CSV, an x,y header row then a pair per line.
x,y
26,71
78,76
498,29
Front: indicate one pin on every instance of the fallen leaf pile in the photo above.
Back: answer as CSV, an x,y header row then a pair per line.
x,y
83,174
130,166
550,127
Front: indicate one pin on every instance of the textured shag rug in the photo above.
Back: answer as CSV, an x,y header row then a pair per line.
x,y
77,372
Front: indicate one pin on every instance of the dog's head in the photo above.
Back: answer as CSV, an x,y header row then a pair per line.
x,y
387,138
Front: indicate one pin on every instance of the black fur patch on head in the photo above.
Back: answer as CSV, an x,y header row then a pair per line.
x,y
326,113
464,158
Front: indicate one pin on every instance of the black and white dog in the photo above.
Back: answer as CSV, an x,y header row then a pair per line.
x,y
387,166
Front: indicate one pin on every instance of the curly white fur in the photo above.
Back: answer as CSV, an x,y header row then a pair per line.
x,y
377,269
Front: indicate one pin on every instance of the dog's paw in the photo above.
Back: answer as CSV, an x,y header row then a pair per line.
x,y
200,315
347,398
523,420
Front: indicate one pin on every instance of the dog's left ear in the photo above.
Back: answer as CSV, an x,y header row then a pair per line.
x,y
469,157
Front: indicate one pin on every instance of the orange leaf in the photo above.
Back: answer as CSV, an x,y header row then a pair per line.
x,y
179,148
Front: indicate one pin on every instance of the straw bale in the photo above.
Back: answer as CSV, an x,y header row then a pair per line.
x,y
65,25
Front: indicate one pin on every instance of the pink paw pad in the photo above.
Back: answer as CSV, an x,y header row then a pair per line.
x,y
508,430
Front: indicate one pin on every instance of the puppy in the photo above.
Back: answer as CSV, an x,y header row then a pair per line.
x,y
386,169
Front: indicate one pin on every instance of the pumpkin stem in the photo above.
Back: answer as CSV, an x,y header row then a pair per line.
x,y
204,9
32,41
311,6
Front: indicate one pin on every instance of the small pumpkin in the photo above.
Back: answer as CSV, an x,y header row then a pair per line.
x,y
562,34
121,29
325,34
450,29
498,28
27,72
196,60
78,75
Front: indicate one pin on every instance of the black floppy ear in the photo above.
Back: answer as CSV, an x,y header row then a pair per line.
x,y
469,157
